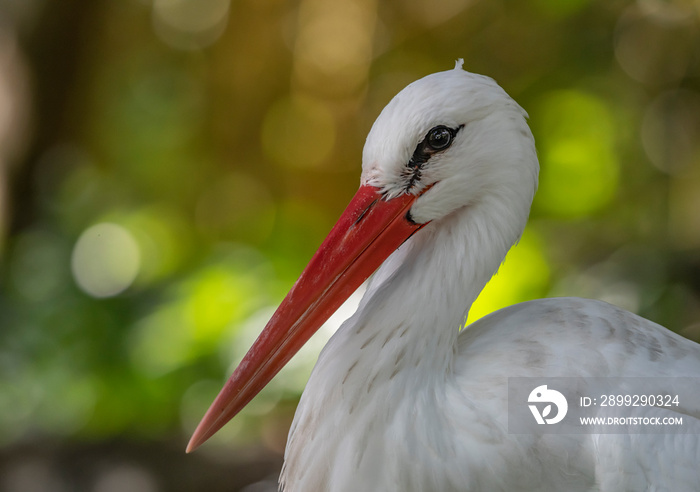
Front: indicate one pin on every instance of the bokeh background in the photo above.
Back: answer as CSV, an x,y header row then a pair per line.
x,y
167,167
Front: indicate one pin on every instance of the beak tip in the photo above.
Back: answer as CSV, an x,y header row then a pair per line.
x,y
193,444
214,419
199,437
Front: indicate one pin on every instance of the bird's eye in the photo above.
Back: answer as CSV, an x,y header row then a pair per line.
x,y
439,138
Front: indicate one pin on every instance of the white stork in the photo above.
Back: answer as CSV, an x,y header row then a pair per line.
x,y
401,399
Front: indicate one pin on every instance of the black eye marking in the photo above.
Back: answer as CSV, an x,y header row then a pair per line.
x,y
438,139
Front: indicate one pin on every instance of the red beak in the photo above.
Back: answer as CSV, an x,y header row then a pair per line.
x,y
368,231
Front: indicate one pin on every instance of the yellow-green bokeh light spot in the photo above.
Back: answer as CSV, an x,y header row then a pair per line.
x,y
216,298
524,275
580,169
581,178
162,341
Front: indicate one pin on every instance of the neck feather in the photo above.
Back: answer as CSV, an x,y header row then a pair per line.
x,y
418,300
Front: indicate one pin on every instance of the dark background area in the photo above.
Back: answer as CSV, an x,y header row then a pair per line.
x,y
167,167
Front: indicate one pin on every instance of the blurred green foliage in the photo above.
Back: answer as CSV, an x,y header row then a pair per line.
x,y
185,159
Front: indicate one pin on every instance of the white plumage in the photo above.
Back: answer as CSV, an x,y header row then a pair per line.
x,y
401,400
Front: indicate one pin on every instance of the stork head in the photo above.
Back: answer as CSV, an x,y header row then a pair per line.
x,y
451,139
448,141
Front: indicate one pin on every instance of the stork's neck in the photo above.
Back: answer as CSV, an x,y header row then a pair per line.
x,y
418,300
401,340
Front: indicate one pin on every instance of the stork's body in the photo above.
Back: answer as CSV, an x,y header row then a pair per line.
x,y
400,399
446,430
